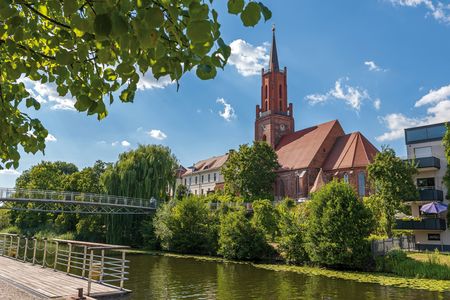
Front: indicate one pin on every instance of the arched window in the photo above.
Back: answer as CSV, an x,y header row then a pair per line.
x,y
346,177
264,138
267,104
265,91
361,183
281,106
280,91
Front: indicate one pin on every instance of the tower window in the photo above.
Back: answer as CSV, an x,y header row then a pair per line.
x,y
280,91
281,106
267,104
265,91
264,138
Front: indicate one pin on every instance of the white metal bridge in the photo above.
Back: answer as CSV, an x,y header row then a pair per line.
x,y
71,202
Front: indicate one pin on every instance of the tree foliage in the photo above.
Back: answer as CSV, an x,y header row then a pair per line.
x,y
338,225
95,51
240,239
250,172
265,216
392,181
186,226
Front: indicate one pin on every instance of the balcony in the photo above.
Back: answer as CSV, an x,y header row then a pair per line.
x,y
431,195
422,224
427,163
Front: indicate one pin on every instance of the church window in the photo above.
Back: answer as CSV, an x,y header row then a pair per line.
x,y
265,91
281,106
280,92
361,184
267,105
264,138
346,177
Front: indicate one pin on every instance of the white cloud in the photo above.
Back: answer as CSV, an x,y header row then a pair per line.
x,y
437,9
148,81
437,112
248,59
228,112
122,143
51,138
377,104
157,134
46,93
10,172
373,66
352,96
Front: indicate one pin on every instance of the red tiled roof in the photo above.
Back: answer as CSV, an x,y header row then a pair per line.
x,y
297,150
350,151
212,163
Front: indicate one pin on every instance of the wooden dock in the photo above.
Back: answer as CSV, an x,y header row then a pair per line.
x,y
49,284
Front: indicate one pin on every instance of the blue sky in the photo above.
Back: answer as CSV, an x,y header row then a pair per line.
x,y
376,65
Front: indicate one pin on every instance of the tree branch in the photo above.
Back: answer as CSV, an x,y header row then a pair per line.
x,y
30,7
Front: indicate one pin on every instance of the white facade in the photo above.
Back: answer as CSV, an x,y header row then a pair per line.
x,y
203,182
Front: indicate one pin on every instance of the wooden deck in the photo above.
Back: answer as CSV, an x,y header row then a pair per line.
x,y
47,283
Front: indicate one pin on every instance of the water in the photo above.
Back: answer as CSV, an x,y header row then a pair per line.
x,y
156,277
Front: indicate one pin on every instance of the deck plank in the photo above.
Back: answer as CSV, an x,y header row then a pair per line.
x,y
48,282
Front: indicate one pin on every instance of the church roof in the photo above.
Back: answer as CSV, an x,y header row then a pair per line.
x,y
211,163
350,151
273,65
298,150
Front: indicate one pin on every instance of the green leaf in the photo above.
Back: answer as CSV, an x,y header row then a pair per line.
x,y
62,90
109,74
154,17
198,11
63,57
251,14
102,25
70,7
235,6
83,103
127,95
199,31
119,25
206,71
265,11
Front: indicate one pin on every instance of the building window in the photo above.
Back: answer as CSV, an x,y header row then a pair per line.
x,y
362,184
422,152
203,177
195,179
281,189
425,183
280,92
346,177
267,104
297,186
434,237
265,91
185,181
209,177
281,106
190,180
195,192
202,192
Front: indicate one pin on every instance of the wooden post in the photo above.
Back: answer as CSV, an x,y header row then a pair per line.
x,y
56,256
90,273
45,253
18,247
26,247
122,273
4,245
34,250
102,265
84,262
69,259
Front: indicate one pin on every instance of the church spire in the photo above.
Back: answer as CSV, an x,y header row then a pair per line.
x,y
273,66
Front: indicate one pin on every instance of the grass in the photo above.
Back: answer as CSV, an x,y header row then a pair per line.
x,y
442,258
384,279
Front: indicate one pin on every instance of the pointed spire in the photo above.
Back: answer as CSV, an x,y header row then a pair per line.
x,y
273,66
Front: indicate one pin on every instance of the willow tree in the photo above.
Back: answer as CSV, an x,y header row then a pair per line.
x,y
95,51
149,171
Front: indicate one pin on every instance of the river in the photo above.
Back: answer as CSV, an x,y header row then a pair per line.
x,y
159,277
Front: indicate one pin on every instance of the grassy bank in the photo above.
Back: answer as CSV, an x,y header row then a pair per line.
x,y
363,277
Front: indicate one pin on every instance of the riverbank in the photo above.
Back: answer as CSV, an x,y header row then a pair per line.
x,y
384,279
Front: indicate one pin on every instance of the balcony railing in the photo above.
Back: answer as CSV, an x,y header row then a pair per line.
x,y
427,162
431,195
422,224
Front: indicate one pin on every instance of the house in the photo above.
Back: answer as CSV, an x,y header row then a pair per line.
x,y
424,146
323,150
204,177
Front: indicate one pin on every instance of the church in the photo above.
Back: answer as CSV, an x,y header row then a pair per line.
x,y
309,157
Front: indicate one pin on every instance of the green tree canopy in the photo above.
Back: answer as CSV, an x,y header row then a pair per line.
x,y
392,181
265,216
250,172
338,225
95,50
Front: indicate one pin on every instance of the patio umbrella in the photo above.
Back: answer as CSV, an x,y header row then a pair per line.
x,y
434,208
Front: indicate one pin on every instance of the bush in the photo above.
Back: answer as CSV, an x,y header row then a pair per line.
x,y
186,226
265,217
292,233
337,228
240,239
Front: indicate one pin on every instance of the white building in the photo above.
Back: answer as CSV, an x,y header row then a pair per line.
x,y
204,177
424,145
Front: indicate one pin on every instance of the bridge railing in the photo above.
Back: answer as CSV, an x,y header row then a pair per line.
x,y
101,263
74,197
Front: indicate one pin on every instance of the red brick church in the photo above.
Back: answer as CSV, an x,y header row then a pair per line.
x,y
312,156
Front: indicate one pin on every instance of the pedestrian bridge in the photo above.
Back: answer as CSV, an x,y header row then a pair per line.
x,y
71,202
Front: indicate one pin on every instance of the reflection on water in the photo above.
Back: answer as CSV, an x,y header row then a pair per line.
x,y
155,277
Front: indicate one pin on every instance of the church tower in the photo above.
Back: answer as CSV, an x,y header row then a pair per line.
x,y
274,117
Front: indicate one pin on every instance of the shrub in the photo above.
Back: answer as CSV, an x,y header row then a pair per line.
x,y
337,228
186,226
265,216
240,239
